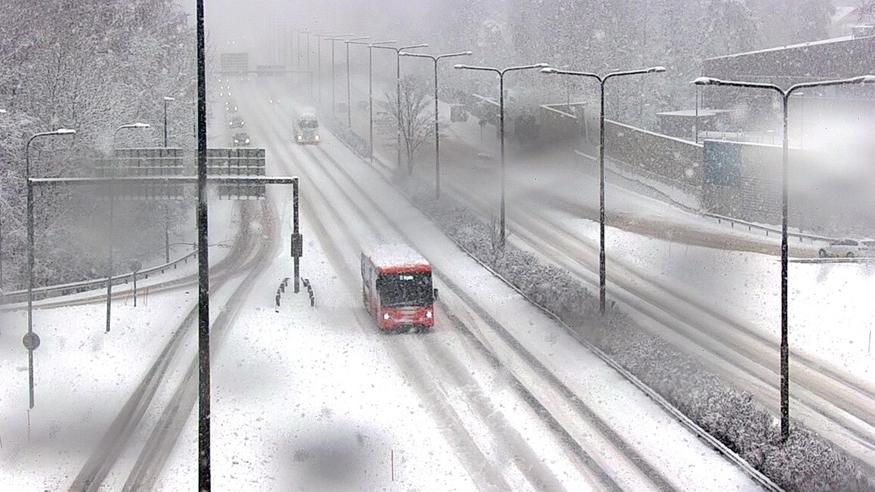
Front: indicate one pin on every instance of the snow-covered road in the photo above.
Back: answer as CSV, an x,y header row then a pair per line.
x,y
625,456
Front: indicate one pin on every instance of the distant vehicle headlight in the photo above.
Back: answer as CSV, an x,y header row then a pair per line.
x,y
247,140
300,137
317,138
386,316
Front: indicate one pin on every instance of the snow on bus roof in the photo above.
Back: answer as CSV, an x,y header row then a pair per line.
x,y
393,255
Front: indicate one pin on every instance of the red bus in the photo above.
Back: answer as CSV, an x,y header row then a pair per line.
x,y
397,288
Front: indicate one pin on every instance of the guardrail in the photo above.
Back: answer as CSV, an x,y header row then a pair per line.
x,y
768,230
76,287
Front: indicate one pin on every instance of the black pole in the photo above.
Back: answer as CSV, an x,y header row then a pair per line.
x,y
296,233
203,265
109,255
333,82
319,68
398,103
785,349
135,288
371,102
502,236
165,123
602,272
166,217
348,94
437,140
696,122
30,265
1,247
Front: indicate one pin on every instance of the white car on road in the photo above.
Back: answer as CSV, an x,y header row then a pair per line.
x,y
846,248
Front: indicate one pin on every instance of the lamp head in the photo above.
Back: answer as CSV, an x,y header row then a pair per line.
x,y
705,81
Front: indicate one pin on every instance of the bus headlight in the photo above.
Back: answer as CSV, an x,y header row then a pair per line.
x,y
317,138
428,314
386,316
247,140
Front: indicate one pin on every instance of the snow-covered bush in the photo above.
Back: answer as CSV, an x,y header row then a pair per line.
x,y
805,462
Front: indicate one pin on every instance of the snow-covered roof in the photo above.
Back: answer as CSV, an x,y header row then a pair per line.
x,y
394,255
692,112
787,47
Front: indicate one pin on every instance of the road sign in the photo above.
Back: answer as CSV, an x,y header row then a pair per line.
x,y
234,63
31,341
237,161
297,246
139,162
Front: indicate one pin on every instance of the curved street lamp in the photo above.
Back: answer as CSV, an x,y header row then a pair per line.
x,y
30,246
398,51
129,126
602,79
785,250
437,140
371,47
501,73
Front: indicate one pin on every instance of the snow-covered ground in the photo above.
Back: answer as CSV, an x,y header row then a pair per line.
x,y
82,375
467,281
293,388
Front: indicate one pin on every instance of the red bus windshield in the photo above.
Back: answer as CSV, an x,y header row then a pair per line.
x,y
405,289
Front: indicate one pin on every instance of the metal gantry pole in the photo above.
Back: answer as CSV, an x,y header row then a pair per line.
x,y
296,233
204,476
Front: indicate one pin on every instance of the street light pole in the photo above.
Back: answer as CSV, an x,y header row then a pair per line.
x,y
166,217
501,72
30,248
785,249
348,93
2,111
371,47
437,140
333,39
166,100
398,92
135,126
602,79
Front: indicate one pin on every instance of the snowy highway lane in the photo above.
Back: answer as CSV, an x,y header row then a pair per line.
x,y
633,454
